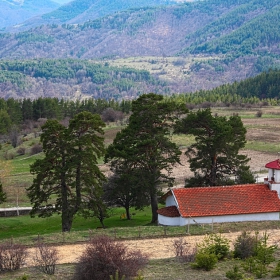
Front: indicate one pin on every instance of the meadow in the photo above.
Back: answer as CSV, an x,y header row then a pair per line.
x,y
262,146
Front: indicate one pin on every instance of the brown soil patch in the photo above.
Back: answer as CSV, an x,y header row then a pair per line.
x,y
158,248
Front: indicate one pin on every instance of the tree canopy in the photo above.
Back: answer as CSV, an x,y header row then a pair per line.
x,y
68,179
214,157
144,146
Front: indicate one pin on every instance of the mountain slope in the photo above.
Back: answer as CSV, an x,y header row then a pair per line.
x,y
215,41
16,11
80,11
210,27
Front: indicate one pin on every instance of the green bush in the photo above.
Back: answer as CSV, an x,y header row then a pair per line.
x,y
276,271
215,244
265,253
205,261
234,274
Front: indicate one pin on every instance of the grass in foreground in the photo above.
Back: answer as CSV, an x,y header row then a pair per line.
x,y
162,269
26,230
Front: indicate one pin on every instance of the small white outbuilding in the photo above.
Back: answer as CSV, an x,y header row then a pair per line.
x,y
238,203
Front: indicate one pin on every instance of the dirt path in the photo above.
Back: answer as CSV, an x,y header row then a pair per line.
x,y
154,248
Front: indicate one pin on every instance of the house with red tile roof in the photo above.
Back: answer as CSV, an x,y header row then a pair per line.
x,y
238,203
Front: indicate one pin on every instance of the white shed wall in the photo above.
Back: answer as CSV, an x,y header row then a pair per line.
x,y
180,221
168,221
170,201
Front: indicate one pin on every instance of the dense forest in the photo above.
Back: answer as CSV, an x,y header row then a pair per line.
x,y
262,89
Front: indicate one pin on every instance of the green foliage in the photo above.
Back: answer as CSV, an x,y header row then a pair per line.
x,y
263,256
5,122
144,150
24,277
214,156
265,253
248,35
117,276
215,244
234,274
205,260
3,195
213,248
276,271
69,170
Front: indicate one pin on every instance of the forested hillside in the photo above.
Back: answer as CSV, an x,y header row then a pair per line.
x,y
74,79
80,11
215,42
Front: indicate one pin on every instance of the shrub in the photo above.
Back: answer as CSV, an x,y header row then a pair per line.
x,y
265,253
244,246
21,151
215,244
259,114
36,149
234,274
12,256
205,261
276,271
104,256
45,258
183,250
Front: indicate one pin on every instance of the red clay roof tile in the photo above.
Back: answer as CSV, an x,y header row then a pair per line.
x,y
228,200
170,211
273,164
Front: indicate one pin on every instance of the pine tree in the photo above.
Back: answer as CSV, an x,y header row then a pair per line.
x,y
145,145
69,171
214,157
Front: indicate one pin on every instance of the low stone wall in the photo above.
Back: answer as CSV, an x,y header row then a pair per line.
x,y
12,212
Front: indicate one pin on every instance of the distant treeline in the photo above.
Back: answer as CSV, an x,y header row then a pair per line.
x,y
263,89
54,108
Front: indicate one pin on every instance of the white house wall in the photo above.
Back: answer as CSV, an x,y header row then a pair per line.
x,y
168,221
170,201
277,175
180,221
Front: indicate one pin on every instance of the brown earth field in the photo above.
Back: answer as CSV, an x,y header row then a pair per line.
x,y
156,248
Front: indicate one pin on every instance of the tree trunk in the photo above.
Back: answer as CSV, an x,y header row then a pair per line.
x,y
127,213
154,205
66,222
66,216
213,176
